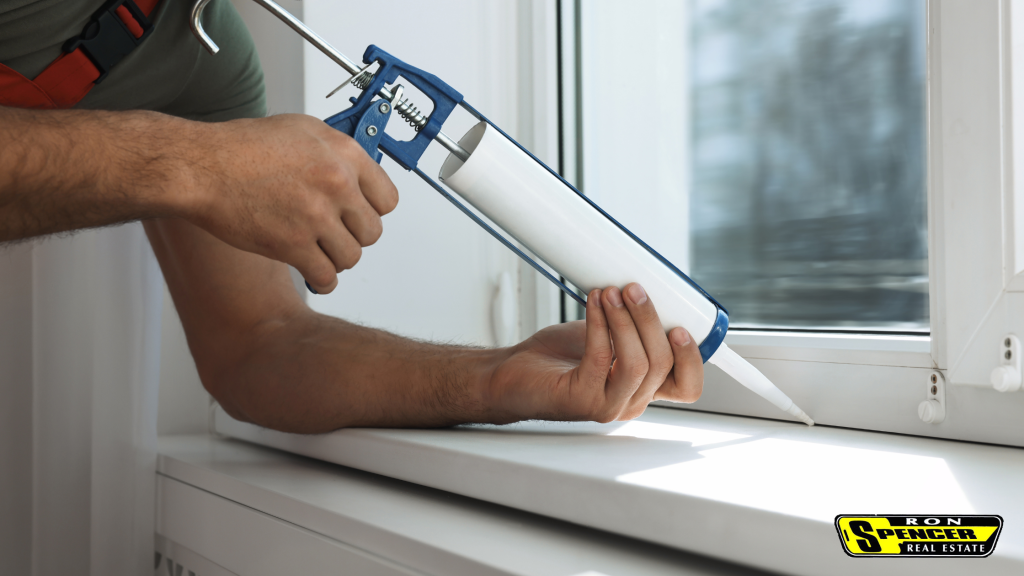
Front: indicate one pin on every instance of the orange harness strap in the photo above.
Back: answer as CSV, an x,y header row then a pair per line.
x,y
111,34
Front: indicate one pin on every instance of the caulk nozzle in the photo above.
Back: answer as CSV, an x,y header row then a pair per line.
x,y
743,372
800,415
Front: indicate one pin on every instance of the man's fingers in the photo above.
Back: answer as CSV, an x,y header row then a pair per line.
x,y
631,364
686,382
597,352
377,188
659,354
341,247
318,270
363,222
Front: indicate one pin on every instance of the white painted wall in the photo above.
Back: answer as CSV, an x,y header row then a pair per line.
x,y
16,408
78,399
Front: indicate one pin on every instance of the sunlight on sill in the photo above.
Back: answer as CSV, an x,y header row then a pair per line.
x,y
655,431
808,480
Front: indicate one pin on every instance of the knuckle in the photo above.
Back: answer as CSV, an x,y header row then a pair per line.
x,y
302,242
351,257
322,276
606,415
390,200
639,366
335,175
374,230
352,151
618,316
296,238
645,313
692,394
345,143
322,216
603,357
315,217
309,200
662,367
633,412
352,146
599,409
346,181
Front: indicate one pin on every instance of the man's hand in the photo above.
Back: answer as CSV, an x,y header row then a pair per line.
x,y
609,369
287,187
290,188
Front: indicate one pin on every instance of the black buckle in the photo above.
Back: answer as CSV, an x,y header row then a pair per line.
x,y
106,40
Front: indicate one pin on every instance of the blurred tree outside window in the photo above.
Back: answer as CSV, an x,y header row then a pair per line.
x,y
807,203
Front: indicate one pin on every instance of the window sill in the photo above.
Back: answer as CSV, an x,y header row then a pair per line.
x,y
757,492
227,507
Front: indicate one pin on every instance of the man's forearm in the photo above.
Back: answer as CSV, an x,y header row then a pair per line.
x,y
268,359
64,170
341,375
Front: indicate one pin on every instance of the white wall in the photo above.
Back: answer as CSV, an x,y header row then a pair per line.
x,y
16,408
78,355
183,403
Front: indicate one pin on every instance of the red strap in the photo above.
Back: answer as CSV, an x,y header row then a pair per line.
x,y
146,6
129,21
67,79
17,91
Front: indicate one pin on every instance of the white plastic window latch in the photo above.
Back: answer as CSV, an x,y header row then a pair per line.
x,y
933,409
1007,376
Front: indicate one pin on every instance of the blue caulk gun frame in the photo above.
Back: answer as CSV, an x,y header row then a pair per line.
x,y
365,112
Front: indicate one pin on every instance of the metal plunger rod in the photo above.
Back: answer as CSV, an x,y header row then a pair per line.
x,y
322,45
452,146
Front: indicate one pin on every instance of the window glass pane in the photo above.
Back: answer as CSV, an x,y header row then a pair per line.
x,y
808,167
774,149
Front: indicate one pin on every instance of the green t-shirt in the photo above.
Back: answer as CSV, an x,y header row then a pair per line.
x,y
169,72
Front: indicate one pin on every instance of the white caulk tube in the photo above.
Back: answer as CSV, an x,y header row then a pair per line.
x,y
585,246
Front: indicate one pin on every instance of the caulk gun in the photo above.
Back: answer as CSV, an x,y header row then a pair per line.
x,y
531,202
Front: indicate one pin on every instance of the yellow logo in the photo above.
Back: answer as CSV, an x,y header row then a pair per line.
x,y
934,536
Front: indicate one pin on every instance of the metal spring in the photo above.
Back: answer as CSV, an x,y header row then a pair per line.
x,y
411,114
364,79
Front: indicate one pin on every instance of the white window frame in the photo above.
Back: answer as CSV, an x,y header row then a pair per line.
x,y
976,252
